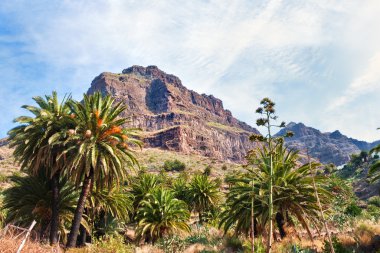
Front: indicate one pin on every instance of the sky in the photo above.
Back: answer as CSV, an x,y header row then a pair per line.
x,y
319,60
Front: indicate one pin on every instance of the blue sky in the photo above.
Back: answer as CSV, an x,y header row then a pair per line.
x,y
318,59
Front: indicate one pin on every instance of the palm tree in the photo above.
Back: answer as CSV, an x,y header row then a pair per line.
x,y
161,214
98,152
203,194
109,208
32,141
141,186
293,192
180,189
29,198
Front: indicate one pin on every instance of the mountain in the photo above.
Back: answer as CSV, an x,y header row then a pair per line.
x,y
327,147
175,118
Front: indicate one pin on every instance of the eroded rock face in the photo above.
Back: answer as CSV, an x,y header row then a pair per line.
x,y
327,147
174,117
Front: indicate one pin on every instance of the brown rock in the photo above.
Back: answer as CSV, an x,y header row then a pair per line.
x,y
175,118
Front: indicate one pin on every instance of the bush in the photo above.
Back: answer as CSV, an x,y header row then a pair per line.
x,y
234,243
3,178
112,244
174,165
375,200
207,171
338,246
224,167
171,244
353,210
199,238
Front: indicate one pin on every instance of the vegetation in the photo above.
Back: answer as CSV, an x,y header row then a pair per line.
x,y
160,214
174,202
174,165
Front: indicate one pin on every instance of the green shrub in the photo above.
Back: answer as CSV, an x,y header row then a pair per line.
x,y
3,178
259,246
375,200
353,210
224,167
199,238
234,243
174,165
338,246
112,244
207,171
171,244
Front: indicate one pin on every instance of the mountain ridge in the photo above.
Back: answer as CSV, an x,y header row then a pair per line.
x,y
328,147
174,117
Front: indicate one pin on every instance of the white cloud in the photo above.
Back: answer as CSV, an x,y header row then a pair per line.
x,y
304,54
367,82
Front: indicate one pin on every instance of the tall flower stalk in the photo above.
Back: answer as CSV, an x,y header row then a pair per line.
x,y
267,112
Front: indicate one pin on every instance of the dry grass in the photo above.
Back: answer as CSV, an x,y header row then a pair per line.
x,y
365,233
9,245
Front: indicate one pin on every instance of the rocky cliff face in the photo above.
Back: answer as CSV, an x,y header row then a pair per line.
x,y
174,117
327,147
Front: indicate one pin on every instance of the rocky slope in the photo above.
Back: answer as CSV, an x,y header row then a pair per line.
x,y
175,118
327,147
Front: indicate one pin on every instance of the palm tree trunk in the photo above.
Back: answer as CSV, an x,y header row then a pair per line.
x,y
55,209
72,239
83,235
280,224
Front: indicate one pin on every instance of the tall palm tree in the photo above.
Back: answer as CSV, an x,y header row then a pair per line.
x,y
161,214
29,198
98,152
32,141
203,194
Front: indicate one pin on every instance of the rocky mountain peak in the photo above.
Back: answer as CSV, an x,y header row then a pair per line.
x,y
174,117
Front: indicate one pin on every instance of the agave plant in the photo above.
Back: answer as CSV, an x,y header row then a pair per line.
x,y
293,192
160,214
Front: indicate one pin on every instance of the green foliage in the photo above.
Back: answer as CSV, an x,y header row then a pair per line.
x,y
4,178
100,147
174,165
203,194
142,185
180,189
3,213
30,199
293,191
207,170
159,214
375,200
338,246
353,210
299,249
234,243
171,244
112,244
